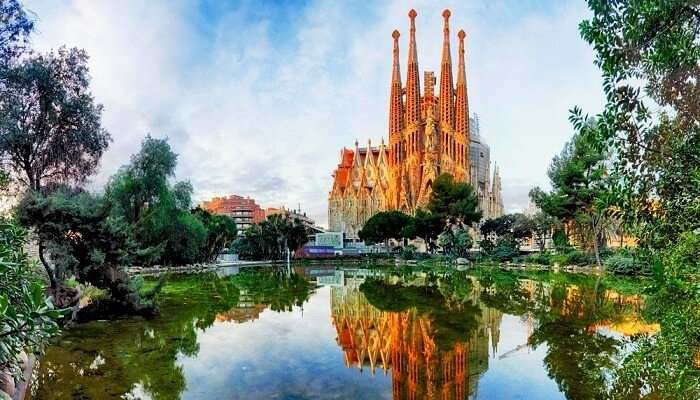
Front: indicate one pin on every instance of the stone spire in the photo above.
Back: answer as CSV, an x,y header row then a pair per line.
x,y
412,80
446,87
396,117
462,103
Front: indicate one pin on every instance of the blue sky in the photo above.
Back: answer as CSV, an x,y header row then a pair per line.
x,y
258,97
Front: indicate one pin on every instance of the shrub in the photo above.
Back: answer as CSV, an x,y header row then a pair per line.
x,y
27,316
578,257
538,258
506,249
681,265
409,252
421,256
625,265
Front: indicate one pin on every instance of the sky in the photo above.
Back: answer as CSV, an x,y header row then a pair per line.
x,y
259,97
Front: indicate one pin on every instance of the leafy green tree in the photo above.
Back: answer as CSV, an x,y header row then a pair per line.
x,y
83,241
649,55
158,213
383,226
221,232
498,226
50,128
542,228
425,225
579,181
255,244
505,248
456,243
141,184
297,235
170,235
271,238
511,227
454,202
27,316
15,27
522,227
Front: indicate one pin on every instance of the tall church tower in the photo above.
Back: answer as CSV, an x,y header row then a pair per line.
x,y
429,134
462,129
447,109
396,128
413,134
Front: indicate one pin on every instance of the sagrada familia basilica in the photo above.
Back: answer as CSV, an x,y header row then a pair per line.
x,y
429,135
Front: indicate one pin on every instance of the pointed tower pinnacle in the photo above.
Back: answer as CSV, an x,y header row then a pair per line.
x,y
412,79
462,103
446,88
396,117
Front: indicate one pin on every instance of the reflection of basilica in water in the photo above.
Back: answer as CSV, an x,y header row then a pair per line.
x,y
404,344
411,343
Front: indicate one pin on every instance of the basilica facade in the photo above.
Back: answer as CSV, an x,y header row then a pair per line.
x,y
429,134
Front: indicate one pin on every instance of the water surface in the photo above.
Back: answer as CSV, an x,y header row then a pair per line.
x,y
355,333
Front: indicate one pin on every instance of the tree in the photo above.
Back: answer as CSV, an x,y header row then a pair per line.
x,y
454,202
85,242
425,225
542,227
516,226
522,227
170,235
145,180
15,27
456,243
649,55
158,213
383,226
271,238
50,128
505,248
498,226
221,232
297,235
579,178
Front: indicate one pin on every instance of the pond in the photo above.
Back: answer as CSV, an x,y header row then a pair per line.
x,y
356,333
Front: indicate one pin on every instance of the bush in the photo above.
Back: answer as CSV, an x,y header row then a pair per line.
x,y
27,316
681,266
538,258
423,256
409,252
506,249
578,257
625,265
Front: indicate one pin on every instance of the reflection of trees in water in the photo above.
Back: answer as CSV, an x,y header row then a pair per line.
x,y
579,319
108,360
431,331
434,346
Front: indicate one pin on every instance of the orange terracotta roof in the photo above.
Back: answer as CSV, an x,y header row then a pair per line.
x,y
343,171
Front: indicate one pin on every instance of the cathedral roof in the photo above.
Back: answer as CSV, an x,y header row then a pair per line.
x,y
363,154
343,172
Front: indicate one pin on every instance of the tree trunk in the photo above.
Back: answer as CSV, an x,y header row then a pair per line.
x,y
47,267
596,248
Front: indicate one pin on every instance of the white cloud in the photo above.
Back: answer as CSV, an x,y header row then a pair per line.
x,y
254,112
